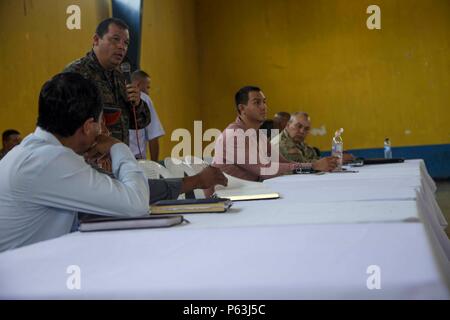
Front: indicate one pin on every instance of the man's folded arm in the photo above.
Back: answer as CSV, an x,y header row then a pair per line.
x,y
71,184
165,189
264,170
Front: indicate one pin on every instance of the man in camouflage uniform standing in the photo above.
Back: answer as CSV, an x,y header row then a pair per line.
x,y
101,65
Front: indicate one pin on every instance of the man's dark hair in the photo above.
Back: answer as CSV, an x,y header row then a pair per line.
x,y
139,74
283,114
66,102
268,126
241,97
102,27
7,133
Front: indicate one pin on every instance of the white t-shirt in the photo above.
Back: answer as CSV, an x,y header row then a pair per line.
x,y
152,131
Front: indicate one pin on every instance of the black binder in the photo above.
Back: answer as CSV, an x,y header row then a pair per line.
x,y
379,160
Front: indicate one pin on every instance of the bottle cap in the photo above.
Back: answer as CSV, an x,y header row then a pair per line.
x,y
339,132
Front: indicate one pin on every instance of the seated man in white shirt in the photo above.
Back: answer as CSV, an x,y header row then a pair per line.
x,y
45,181
151,133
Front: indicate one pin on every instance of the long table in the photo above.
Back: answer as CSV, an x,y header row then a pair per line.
x,y
322,240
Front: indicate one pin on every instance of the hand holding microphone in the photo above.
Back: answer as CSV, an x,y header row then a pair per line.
x,y
133,92
134,96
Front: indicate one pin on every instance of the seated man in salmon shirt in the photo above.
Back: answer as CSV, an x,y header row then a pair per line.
x,y
244,152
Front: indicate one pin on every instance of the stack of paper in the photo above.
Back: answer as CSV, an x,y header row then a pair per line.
x,y
241,190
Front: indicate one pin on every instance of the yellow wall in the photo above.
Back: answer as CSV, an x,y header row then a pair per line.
x,y
169,54
311,55
35,45
318,56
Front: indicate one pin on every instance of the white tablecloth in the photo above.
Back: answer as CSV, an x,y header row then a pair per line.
x,y
281,262
298,247
386,183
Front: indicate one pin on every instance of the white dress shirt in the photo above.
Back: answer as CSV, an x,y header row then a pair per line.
x,y
43,185
150,132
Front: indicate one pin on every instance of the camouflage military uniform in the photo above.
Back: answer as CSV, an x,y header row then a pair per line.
x,y
297,152
111,85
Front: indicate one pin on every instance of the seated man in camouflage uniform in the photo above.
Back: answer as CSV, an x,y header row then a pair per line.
x,y
291,140
101,65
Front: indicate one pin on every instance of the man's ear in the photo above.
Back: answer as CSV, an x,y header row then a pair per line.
x,y
241,108
95,40
88,126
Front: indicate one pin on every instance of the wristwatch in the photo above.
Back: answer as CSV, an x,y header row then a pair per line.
x,y
303,170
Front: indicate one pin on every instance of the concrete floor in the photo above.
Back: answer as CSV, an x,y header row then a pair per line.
x,y
443,199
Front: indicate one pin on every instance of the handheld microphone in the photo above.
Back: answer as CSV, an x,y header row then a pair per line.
x,y
126,70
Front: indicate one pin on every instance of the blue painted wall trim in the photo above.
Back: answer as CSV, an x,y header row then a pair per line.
x,y
436,157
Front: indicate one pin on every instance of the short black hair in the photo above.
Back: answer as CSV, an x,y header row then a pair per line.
x,y
267,125
103,26
241,97
283,114
7,133
66,102
139,74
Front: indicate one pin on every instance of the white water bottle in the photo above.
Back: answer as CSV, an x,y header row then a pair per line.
x,y
387,149
337,148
